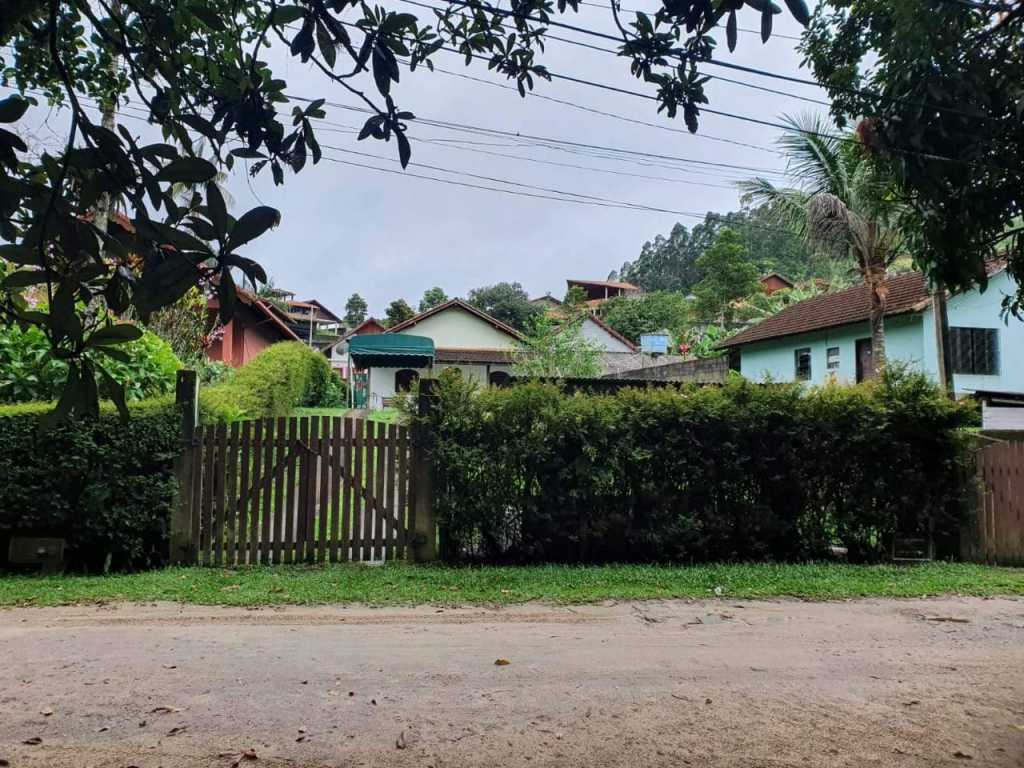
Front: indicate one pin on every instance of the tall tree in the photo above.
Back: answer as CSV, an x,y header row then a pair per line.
x,y
649,313
844,202
203,70
507,302
355,310
669,263
728,276
432,297
398,311
936,89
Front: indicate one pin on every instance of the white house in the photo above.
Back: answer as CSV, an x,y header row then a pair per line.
x,y
828,337
464,337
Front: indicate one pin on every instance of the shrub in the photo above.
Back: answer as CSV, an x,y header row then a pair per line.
x,y
282,377
104,485
740,472
29,374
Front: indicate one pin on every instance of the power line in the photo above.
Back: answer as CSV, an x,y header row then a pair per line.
x,y
739,29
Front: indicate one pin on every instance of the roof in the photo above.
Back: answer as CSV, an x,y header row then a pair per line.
x,y
313,303
359,329
250,299
606,284
449,355
906,294
456,304
611,331
382,349
546,299
777,276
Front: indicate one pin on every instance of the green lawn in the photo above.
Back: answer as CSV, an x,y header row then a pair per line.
x,y
386,415
401,584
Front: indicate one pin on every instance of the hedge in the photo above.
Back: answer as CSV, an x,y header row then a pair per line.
x,y
282,377
103,485
741,472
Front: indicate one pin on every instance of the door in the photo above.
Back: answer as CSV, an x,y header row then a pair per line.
x,y
865,360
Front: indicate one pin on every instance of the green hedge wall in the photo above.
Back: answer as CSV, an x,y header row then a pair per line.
x,y
740,472
104,485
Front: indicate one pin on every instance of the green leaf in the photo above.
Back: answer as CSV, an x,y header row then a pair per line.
x,y
20,254
730,31
253,224
115,334
12,108
187,170
286,14
116,390
164,234
799,10
218,210
24,278
404,151
227,293
326,44
209,17
766,24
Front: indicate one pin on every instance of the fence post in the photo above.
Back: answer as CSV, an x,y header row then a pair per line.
x,y
182,548
424,538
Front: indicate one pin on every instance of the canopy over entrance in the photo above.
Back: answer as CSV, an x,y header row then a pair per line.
x,y
391,350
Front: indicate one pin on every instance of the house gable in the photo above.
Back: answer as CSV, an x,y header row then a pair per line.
x,y
597,331
456,325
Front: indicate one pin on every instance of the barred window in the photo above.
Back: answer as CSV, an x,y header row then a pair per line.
x,y
832,359
975,350
802,363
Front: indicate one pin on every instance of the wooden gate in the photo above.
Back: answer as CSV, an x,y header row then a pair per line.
x,y
301,489
1000,535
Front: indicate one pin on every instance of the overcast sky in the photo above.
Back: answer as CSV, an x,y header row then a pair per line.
x,y
384,235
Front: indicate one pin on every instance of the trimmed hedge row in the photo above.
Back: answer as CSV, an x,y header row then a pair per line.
x,y
741,472
107,487
104,485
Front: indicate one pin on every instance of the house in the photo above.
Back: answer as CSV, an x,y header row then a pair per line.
x,y
337,351
775,282
458,334
828,336
548,303
599,291
1001,411
254,327
597,331
312,321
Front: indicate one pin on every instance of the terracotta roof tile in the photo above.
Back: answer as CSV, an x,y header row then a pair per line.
x,y
449,355
906,293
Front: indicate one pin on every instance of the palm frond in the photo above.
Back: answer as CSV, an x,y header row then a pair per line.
x,y
787,206
814,157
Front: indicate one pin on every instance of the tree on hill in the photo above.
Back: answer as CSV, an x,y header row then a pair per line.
x,y
432,297
398,311
202,71
355,310
648,313
728,276
507,302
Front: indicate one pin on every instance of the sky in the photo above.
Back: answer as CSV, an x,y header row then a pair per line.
x,y
389,235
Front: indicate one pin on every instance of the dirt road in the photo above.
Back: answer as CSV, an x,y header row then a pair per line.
x,y
893,683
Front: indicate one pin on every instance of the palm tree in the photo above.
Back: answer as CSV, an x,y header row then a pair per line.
x,y
843,201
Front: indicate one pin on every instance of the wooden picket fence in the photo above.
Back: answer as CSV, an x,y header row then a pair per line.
x,y
1000,532
300,489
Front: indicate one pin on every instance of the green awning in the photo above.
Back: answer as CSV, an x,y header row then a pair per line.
x,y
391,350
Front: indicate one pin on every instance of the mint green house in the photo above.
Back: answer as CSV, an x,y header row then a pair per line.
x,y
828,337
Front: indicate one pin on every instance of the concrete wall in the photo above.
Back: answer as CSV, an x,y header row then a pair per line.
x,y
456,328
711,371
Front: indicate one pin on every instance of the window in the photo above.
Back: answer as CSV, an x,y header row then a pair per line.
x,y
500,379
802,359
404,379
975,350
832,359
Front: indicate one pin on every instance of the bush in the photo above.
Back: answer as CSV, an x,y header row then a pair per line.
x,y
741,472
29,374
103,485
280,378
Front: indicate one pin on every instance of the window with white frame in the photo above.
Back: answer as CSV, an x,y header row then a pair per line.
x,y
832,359
802,364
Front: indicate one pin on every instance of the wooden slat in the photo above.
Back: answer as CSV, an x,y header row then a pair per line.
x,y
307,508
231,492
401,533
410,516
219,492
280,482
209,462
242,512
348,466
360,506
379,506
267,492
324,496
390,490
287,544
253,436
196,493
336,486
